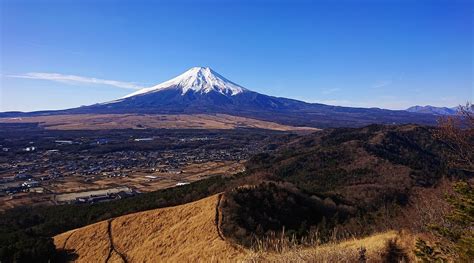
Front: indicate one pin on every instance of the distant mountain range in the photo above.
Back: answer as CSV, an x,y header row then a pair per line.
x,y
201,90
433,110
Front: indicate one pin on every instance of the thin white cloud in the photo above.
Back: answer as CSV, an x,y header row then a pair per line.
x,y
331,90
73,79
381,84
336,102
384,102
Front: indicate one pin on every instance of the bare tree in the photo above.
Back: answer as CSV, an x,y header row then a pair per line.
x,y
457,132
456,231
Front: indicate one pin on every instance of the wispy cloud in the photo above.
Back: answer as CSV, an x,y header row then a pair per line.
x,y
384,102
331,90
73,79
336,102
381,84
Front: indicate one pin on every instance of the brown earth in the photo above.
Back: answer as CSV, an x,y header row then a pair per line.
x,y
138,181
134,121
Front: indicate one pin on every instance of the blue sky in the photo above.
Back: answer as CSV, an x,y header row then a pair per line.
x,y
389,54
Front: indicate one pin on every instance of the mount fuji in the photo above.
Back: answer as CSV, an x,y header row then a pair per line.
x,y
198,90
197,79
201,90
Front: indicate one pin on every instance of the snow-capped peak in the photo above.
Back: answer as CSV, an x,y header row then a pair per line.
x,y
197,79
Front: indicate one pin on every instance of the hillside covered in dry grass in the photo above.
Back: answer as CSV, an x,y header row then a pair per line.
x,y
191,232
186,232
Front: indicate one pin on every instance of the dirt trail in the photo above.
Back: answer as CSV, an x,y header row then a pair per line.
x,y
112,246
65,240
218,220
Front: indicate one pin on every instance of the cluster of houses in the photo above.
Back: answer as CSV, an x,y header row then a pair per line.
x,y
64,160
30,185
119,164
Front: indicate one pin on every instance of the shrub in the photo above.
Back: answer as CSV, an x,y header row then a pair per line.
x,y
457,236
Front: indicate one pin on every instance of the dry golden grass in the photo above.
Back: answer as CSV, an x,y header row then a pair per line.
x,y
175,234
188,233
135,121
90,243
346,251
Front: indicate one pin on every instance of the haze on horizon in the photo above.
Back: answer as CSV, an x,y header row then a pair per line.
x,y
395,54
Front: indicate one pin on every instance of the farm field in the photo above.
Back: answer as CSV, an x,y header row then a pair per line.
x,y
159,121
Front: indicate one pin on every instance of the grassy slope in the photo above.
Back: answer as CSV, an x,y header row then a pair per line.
x,y
188,233
184,232
345,251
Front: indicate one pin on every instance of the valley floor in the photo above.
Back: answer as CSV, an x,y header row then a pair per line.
x,y
148,121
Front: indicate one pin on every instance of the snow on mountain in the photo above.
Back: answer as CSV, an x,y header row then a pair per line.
x,y
197,79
